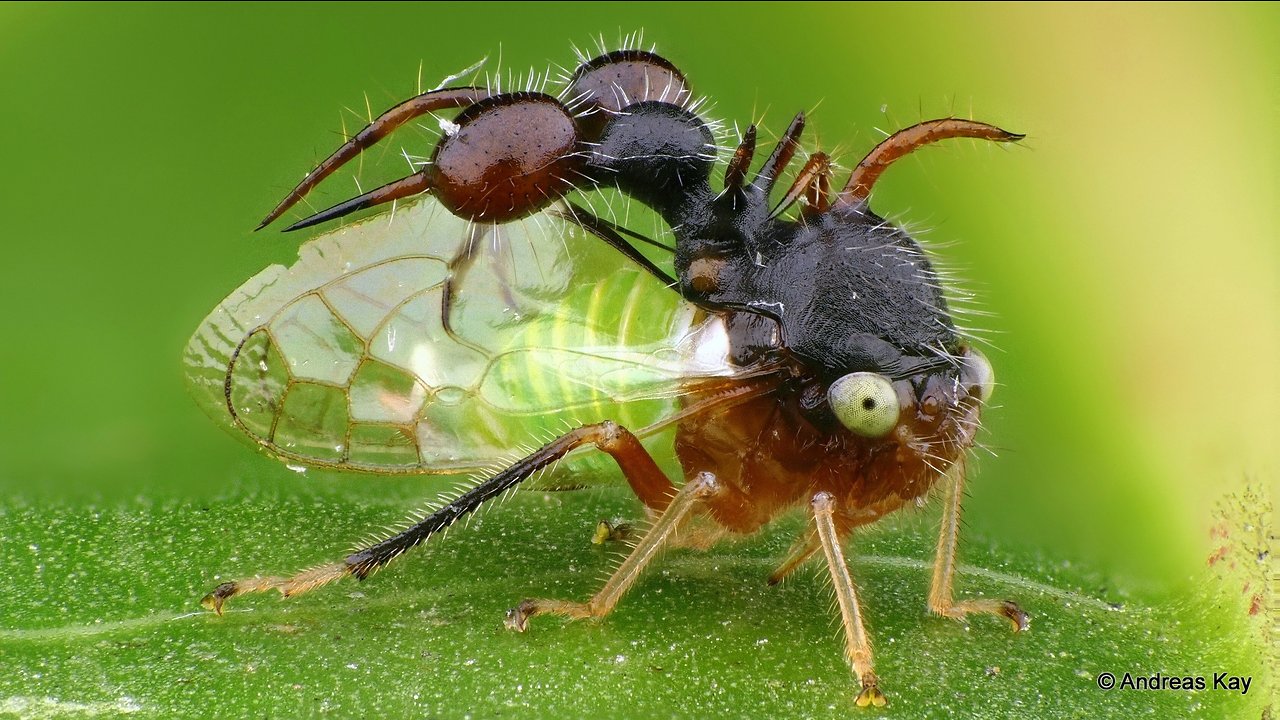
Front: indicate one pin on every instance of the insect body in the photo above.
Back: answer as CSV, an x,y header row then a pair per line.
x,y
804,360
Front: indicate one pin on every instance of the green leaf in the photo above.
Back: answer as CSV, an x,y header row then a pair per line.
x,y
100,617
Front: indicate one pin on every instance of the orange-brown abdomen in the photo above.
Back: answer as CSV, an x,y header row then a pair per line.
x,y
771,457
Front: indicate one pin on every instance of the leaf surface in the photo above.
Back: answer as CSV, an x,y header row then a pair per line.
x,y
101,618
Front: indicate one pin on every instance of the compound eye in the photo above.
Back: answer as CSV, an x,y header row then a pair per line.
x,y
978,374
866,403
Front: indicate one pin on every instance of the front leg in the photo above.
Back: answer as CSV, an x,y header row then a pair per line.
x,y
941,601
857,643
700,489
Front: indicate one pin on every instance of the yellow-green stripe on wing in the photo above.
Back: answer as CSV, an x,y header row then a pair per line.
x,y
343,360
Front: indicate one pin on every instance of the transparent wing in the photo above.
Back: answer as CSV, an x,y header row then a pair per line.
x,y
419,343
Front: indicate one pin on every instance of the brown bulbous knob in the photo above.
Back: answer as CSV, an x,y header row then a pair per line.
x,y
507,157
604,85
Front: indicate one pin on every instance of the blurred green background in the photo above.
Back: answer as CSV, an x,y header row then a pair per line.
x,y
1127,250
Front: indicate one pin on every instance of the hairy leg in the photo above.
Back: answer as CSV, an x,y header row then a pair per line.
x,y
941,601
803,549
700,489
643,474
857,643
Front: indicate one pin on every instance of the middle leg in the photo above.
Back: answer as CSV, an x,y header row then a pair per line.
x,y
803,549
700,489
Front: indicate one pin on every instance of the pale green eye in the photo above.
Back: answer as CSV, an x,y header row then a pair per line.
x,y
866,403
979,374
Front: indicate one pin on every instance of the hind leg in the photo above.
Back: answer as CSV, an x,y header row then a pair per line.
x,y
646,479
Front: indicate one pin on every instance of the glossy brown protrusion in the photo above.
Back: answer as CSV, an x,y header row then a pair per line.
x,y
809,184
904,141
736,173
818,194
615,80
505,157
372,133
510,156
782,154
404,187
